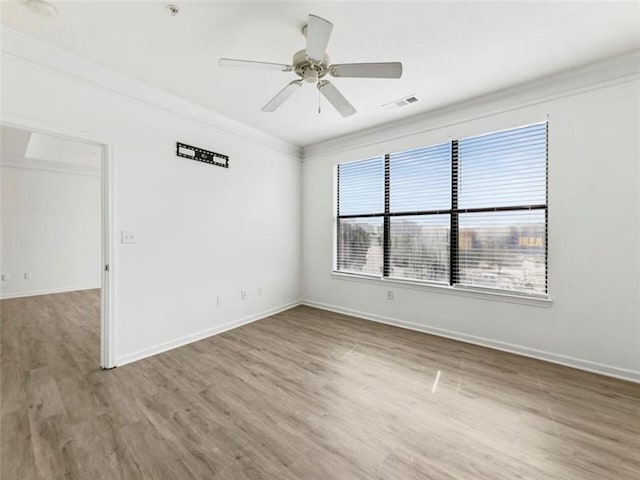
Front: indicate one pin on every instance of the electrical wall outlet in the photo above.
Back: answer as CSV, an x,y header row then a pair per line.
x,y
243,295
389,294
127,236
5,277
27,275
218,300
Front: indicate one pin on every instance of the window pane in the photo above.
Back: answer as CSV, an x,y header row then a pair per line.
x,y
361,187
360,245
503,169
421,179
504,250
420,247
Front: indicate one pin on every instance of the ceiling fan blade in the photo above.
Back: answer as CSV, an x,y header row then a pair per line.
x,y
318,33
232,62
282,95
336,99
367,70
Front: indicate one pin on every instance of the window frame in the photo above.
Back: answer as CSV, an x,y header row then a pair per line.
x,y
454,228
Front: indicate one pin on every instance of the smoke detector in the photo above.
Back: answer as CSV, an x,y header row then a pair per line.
x,y
43,9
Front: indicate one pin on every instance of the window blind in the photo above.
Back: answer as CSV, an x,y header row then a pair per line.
x,y
420,247
419,189
471,212
360,245
361,187
503,199
361,204
420,180
504,169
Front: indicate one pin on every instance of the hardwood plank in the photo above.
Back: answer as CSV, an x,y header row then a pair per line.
x,y
48,437
305,394
92,450
16,452
43,397
149,454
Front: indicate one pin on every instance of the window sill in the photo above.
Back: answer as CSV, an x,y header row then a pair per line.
x,y
500,296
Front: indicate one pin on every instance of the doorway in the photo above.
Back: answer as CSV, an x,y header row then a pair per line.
x,y
55,240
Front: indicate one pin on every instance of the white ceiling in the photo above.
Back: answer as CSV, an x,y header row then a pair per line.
x,y
450,51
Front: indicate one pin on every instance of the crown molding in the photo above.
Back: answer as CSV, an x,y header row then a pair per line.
x,y
46,55
611,71
54,167
63,169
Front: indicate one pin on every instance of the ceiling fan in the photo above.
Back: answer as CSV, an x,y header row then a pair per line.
x,y
312,65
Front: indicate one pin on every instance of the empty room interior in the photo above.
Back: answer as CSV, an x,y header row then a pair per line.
x,y
320,240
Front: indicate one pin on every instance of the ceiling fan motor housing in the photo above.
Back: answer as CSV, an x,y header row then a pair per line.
x,y
309,70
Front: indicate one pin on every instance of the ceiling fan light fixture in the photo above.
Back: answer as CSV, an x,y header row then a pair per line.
x,y
311,76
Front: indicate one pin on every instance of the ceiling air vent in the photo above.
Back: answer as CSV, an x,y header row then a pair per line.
x,y
402,102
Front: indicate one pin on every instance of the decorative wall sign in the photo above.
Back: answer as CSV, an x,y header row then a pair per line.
x,y
194,153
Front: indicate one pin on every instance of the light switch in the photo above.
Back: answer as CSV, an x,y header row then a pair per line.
x,y
127,236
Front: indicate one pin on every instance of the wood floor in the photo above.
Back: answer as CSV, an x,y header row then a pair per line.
x,y
305,394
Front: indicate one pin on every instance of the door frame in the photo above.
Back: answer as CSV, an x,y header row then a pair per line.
x,y
108,237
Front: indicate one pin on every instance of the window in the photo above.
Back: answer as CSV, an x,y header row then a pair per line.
x,y
419,191
469,212
361,201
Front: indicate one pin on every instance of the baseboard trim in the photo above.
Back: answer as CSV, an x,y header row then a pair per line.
x,y
48,291
201,335
580,364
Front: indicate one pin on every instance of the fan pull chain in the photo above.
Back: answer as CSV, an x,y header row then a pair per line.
x,y
319,99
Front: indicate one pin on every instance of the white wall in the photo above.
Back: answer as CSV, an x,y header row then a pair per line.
x,y
203,231
51,229
594,320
